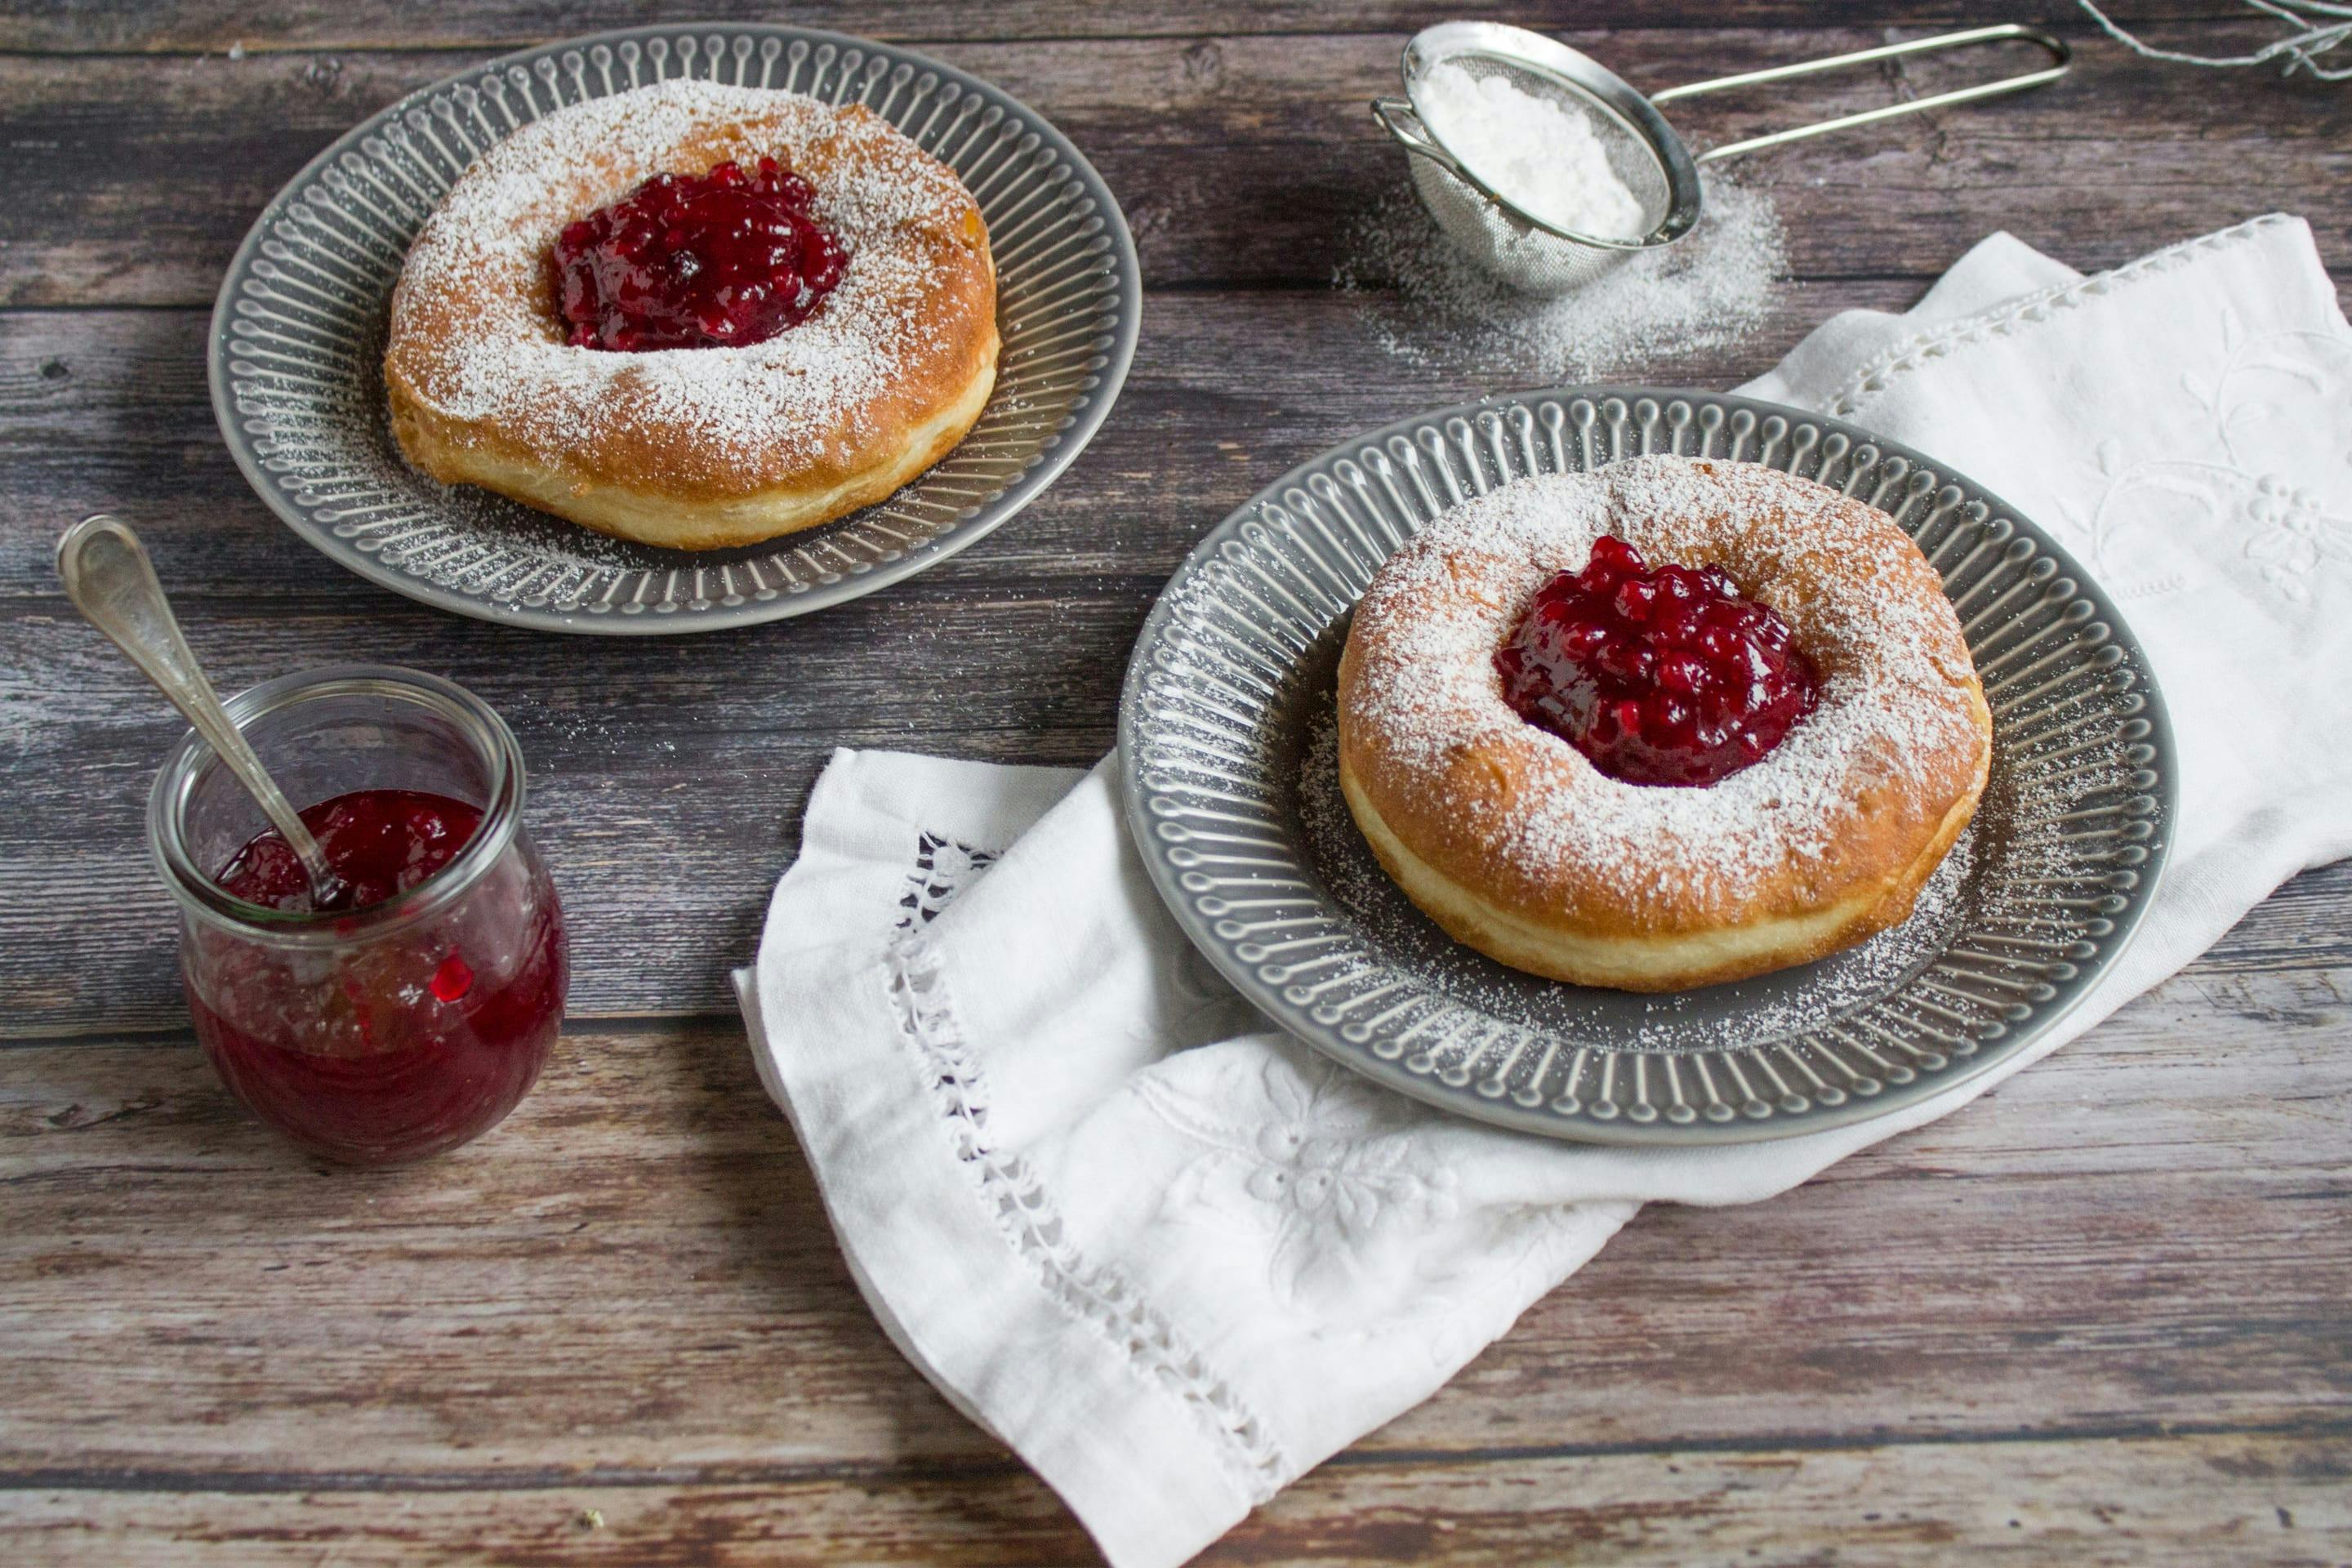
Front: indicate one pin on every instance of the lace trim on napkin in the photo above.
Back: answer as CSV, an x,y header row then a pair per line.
x,y
1908,353
1024,1213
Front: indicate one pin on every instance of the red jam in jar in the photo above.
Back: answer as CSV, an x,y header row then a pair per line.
x,y
716,260
1663,676
390,1038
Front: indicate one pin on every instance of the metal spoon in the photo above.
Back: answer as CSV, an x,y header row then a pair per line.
x,y
111,582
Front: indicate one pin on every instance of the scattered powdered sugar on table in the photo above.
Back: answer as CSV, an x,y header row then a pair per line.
x,y
1539,150
1431,305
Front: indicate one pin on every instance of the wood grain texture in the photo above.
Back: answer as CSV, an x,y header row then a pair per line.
x,y
2099,1318
668,1298
2182,1500
1244,160
148,26
2114,1255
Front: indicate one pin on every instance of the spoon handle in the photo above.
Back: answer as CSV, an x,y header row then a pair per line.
x,y
111,582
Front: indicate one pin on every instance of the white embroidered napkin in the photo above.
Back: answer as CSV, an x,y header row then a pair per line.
x,y
1174,1260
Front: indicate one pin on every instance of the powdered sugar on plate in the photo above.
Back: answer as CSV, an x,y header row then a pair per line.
x,y
1431,305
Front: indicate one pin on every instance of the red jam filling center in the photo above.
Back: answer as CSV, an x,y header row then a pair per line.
x,y
687,261
1659,677
379,841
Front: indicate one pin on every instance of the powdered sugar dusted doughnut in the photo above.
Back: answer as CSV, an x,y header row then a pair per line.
x,y
700,446
1509,838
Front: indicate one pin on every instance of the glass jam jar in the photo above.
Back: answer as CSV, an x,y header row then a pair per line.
x,y
397,1030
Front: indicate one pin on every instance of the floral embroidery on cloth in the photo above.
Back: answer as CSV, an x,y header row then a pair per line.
x,y
2258,426
2248,441
1309,1157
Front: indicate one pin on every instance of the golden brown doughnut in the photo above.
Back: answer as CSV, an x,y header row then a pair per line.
x,y
1509,838
696,447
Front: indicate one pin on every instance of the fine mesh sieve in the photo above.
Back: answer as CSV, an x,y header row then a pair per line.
x,y
1533,254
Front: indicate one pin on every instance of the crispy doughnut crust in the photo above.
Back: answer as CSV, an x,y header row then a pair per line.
x,y
1512,841
484,390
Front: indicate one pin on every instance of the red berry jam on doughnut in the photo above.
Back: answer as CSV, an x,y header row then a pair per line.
x,y
1661,676
684,261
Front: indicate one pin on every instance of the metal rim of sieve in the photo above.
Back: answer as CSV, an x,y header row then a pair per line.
x,y
1595,87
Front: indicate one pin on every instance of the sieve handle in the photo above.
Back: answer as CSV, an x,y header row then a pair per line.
x,y
1397,118
2005,32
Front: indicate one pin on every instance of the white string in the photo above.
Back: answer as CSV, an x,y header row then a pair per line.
x,y
2321,26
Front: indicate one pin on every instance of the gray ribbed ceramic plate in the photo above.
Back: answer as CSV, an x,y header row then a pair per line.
x,y
298,341
1226,747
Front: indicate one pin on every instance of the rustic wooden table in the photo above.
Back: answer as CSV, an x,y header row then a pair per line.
x,y
2101,1317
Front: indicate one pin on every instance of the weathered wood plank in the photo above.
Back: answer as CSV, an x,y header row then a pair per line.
x,y
218,25
1242,159
2259,1500
2185,1500
634,1277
